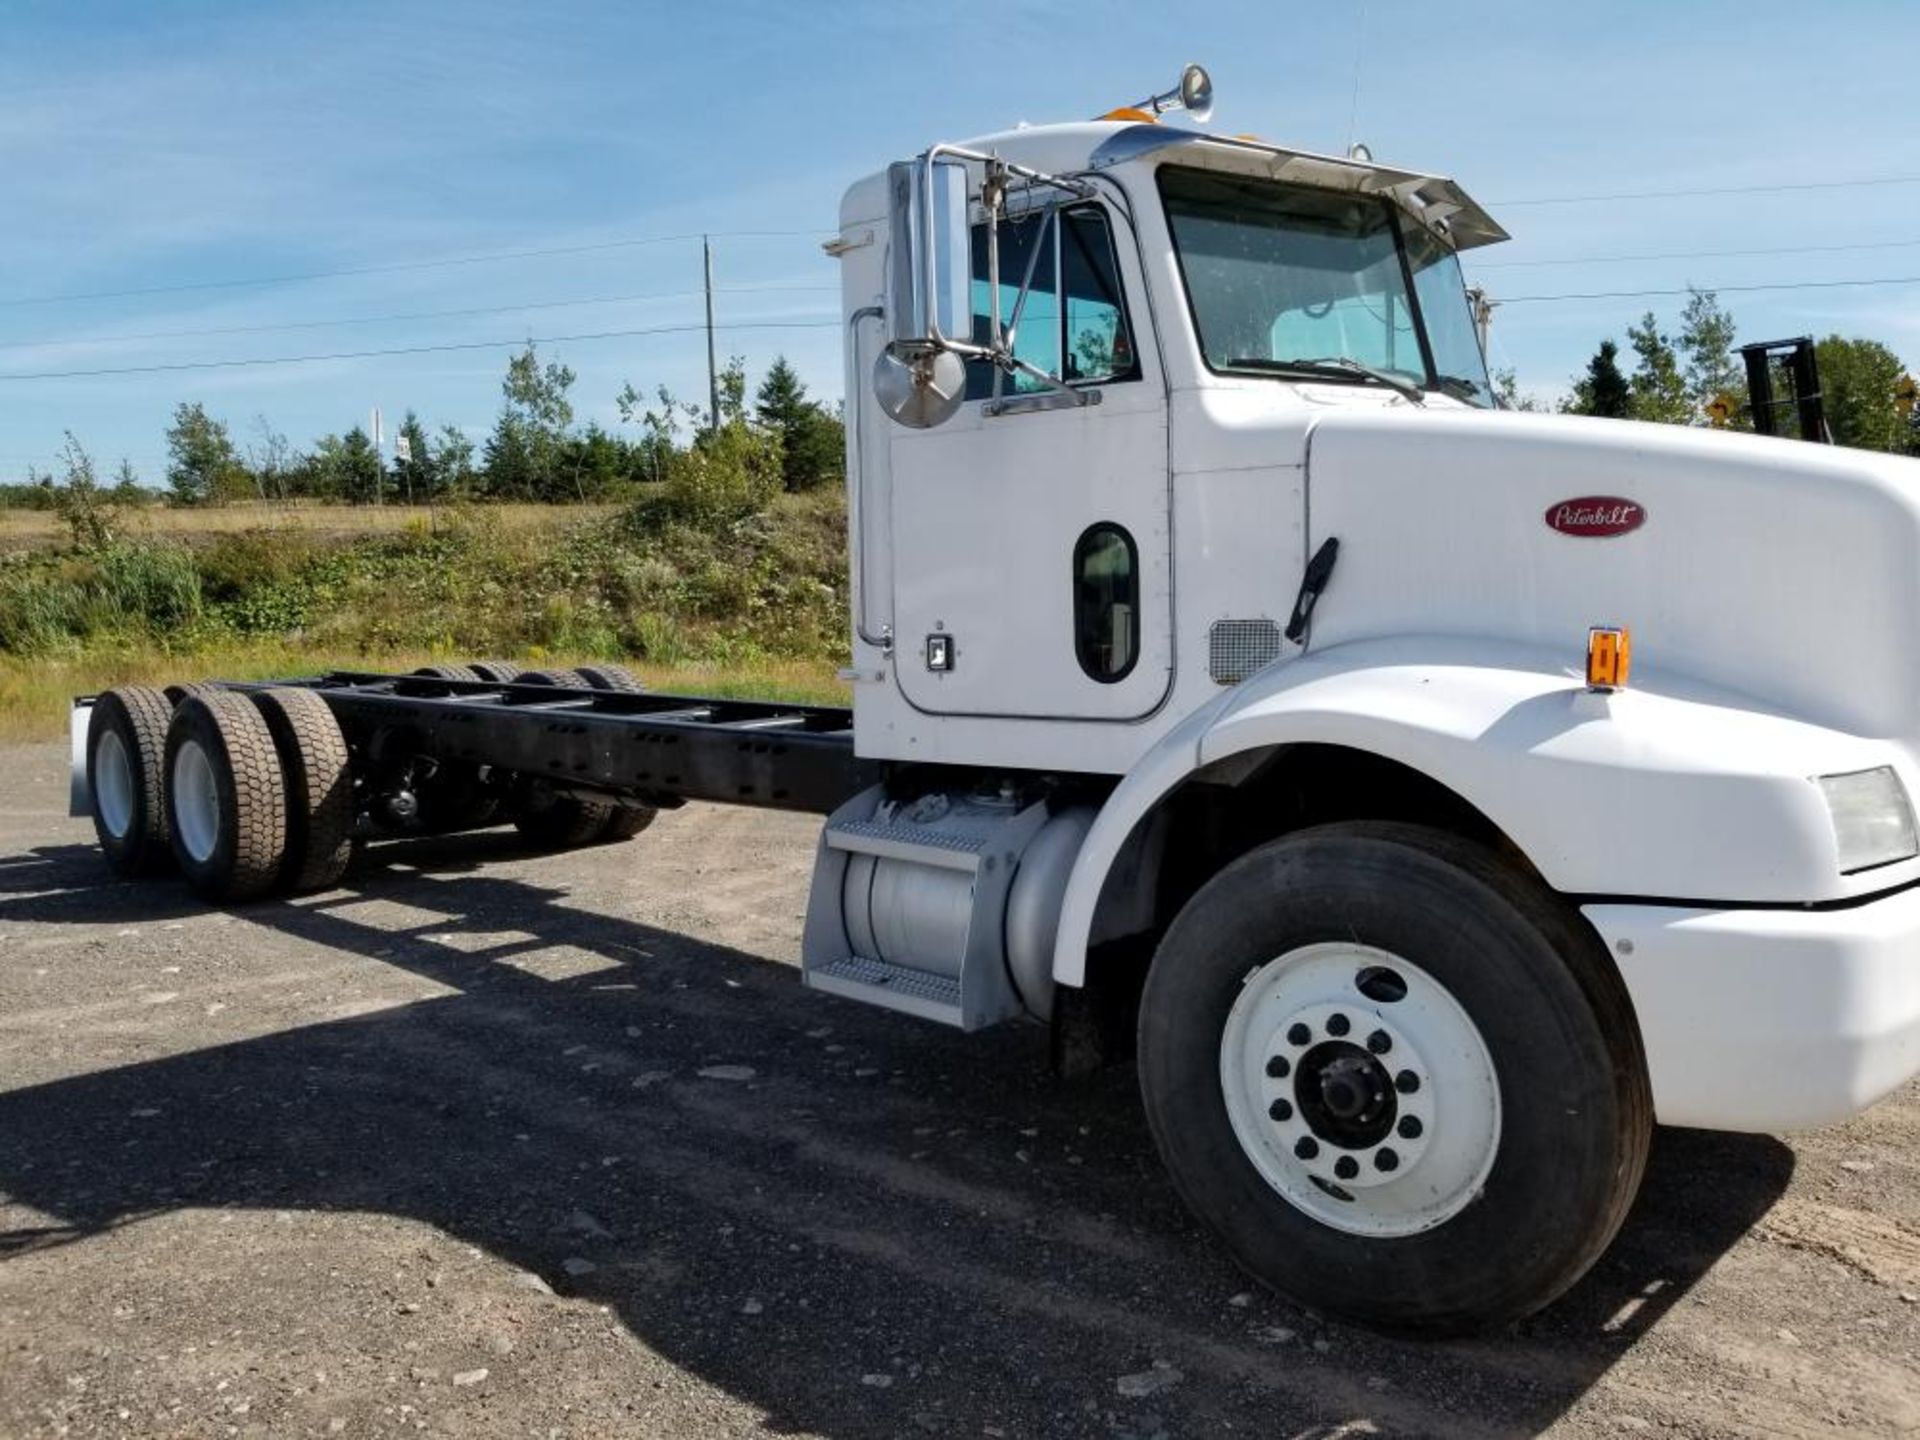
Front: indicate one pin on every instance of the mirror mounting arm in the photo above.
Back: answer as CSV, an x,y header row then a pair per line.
x,y
993,193
993,198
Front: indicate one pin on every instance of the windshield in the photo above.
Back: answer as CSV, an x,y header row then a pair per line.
x,y
1287,280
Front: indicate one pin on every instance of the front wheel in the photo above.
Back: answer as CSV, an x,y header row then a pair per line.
x,y
1397,1076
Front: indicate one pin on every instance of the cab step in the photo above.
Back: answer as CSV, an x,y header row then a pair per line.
x,y
892,987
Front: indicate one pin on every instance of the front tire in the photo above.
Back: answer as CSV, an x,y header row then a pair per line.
x,y
1398,1077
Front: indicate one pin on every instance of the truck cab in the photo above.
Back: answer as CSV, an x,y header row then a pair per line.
x,y
1153,430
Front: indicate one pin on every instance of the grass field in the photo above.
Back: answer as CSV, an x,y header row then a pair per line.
x,y
34,694
41,529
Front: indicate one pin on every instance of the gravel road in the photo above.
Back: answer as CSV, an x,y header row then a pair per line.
x,y
494,1144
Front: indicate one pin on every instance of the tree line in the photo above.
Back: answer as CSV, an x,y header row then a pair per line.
x,y
1694,376
536,452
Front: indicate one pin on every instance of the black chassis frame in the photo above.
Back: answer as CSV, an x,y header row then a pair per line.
x,y
654,749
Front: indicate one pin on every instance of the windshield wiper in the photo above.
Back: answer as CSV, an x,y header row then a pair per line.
x,y
1460,387
1331,367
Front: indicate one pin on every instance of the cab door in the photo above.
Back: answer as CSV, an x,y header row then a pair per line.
x,y
1030,542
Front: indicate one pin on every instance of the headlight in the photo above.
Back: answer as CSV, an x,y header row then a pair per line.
x,y
1872,821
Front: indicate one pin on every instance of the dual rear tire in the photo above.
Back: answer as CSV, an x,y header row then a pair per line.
x,y
242,792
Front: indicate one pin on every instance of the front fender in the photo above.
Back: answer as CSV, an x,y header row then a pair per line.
x,y
1666,790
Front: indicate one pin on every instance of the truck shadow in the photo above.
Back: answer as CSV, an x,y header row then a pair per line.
x,y
896,1199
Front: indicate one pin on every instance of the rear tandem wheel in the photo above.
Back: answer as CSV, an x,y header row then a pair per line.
x,y
563,822
226,797
126,764
319,794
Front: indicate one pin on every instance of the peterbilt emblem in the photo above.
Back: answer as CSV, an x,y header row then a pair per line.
x,y
1596,516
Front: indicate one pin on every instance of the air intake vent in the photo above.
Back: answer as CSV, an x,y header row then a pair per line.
x,y
1237,648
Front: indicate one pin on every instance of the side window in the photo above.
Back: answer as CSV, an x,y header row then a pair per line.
x,y
1074,323
1106,602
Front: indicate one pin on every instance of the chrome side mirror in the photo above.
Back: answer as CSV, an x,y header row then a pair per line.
x,y
931,260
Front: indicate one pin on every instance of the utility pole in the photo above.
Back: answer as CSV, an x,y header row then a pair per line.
x,y
380,465
713,373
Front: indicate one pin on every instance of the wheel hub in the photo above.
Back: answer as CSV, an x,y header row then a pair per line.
x,y
1372,1106
1345,1094
1363,1123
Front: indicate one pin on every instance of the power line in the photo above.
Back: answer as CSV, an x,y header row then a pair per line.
x,y
397,266
416,349
1697,255
1715,190
414,315
1716,289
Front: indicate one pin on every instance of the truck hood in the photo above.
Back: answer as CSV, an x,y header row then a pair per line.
x,y
1784,571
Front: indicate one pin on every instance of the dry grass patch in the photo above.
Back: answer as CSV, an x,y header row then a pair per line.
x,y
41,529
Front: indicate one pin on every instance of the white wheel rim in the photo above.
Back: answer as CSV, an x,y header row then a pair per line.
x,y
1374,1115
113,784
196,801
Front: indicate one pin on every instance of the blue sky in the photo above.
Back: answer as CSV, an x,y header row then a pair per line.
x,y
146,146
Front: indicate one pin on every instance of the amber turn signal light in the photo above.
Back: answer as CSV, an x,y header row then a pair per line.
x,y
1609,653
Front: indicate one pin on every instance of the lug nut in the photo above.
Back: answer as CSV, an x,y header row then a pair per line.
x,y
1278,1067
1338,1025
1281,1110
1306,1147
1346,1167
1379,1042
1410,1127
1298,1033
1406,1082
1385,1159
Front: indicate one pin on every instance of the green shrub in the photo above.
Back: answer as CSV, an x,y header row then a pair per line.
x,y
726,475
155,586
50,604
234,566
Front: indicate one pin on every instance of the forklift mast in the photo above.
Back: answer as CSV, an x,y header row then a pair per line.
x,y
1783,373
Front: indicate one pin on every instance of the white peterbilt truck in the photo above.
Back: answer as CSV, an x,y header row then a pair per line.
x,y
1222,657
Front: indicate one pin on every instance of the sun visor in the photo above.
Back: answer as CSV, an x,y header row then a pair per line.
x,y
1430,200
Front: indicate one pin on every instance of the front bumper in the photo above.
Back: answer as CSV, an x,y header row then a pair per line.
x,y
1771,1020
